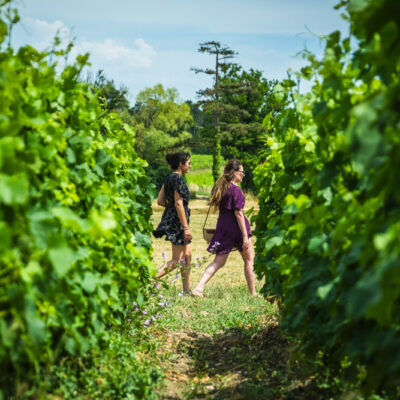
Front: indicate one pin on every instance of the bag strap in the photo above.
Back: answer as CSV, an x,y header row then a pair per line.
x,y
206,216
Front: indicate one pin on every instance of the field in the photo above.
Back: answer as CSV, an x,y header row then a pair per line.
x,y
227,345
200,179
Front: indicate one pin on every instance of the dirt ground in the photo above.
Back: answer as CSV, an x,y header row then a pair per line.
x,y
239,362
233,365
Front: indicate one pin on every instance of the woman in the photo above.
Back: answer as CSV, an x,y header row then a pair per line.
x,y
233,229
174,196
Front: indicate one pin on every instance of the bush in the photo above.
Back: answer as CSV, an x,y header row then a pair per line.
x,y
75,212
328,226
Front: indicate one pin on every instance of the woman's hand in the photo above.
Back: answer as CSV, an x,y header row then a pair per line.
x,y
188,235
246,243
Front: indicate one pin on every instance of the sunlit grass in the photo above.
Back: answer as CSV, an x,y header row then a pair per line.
x,y
200,179
226,345
202,161
227,302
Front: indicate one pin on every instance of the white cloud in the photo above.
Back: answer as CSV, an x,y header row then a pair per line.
x,y
41,33
107,54
111,51
264,32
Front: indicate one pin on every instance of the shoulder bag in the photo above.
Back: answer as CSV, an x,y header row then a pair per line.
x,y
208,233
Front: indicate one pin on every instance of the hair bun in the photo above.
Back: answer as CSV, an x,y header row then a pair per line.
x,y
173,159
170,157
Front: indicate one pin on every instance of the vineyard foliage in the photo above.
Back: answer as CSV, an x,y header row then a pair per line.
x,y
75,215
329,193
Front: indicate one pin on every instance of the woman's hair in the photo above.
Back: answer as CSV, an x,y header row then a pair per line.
x,y
222,184
173,159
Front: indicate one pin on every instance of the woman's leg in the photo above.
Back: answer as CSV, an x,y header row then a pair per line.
x,y
248,258
219,261
177,255
185,270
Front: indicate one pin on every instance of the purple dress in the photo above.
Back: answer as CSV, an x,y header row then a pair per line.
x,y
228,235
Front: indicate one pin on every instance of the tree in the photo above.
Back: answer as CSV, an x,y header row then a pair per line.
x,y
162,122
250,98
202,120
211,96
115,99
160,119
239,101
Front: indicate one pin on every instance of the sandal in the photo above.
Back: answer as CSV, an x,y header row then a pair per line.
x,y
197,293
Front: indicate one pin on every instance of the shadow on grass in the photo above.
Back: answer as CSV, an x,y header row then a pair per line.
x,y
243,364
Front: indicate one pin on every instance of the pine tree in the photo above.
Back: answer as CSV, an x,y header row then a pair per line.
x,y
211,96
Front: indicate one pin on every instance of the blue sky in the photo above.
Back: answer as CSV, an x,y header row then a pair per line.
x,y
142,43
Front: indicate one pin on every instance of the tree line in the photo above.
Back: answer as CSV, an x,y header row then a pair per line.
x,y
226,121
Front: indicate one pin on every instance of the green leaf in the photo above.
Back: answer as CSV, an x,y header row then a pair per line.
x,y
71,158
90,281
42,227
365,139
37,330
5,235
62,259
381,240
274,241
30,271
358,5
3,30
297,183
70,346
317,243
140,299
70,219
324,290
280,93
14,189
326,194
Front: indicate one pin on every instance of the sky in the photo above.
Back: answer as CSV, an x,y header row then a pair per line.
x,y
140,43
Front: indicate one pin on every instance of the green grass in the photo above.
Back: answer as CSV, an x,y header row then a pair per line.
x,y
113,373
202,161
222,309
199,179
227,345
200,183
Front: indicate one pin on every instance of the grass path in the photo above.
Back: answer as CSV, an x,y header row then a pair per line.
x,y
227,345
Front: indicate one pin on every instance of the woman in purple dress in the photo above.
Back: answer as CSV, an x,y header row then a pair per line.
x,y
233,229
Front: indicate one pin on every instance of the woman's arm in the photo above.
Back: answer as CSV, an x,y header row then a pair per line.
x,y
161,199
181,215
242,225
